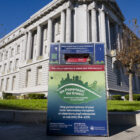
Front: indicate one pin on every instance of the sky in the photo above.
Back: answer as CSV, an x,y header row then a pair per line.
x,y
14,12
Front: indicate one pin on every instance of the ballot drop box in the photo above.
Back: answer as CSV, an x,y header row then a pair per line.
x,y
77,90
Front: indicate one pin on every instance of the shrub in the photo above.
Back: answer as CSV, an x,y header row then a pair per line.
x,y
116,97
36,96
127,97
8,96
22,96
11,97
136,97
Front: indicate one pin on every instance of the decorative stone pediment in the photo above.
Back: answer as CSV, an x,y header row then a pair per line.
x,y
114,6
110,3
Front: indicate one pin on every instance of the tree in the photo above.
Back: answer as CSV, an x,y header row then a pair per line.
x,y
129,54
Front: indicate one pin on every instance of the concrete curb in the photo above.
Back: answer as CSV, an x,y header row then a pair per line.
x,y
39,117
36,117
124,118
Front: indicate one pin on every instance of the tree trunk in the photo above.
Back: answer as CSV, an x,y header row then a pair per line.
x,y
130,87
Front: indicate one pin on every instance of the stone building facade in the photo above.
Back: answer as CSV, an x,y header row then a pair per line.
x,y
24,52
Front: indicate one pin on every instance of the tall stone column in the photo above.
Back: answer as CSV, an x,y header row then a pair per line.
x,y
68,25
94,23
103,39
38,46
117,36
108,31
121,37
29,43
49,35
25,47
102,25
62,36
137,83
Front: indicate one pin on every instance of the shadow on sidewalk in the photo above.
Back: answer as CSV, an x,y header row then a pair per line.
x,y
18,131
113,130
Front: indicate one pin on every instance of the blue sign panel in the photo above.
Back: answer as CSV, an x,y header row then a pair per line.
x,y
54,54
77,48
99,54
77,90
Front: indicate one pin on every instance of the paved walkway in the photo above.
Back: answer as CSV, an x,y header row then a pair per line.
x,y
38,132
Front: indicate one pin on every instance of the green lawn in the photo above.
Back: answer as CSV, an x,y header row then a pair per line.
x,y
123,105
24,104
42,105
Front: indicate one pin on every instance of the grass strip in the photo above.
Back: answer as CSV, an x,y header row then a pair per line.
x,y
124,106
41,104
37,104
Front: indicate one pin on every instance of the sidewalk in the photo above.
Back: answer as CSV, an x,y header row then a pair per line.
x,y
11,131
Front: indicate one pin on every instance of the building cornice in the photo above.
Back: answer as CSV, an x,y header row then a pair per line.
x,y
44,11
20,30
115,8
15,34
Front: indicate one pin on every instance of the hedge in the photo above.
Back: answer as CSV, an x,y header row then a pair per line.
x,y
116,97
136,97
36,96
8,96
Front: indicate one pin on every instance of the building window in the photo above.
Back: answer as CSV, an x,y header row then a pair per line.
x,y
0,69
113,35
10,66
139,82
1,57
6,55
5,65
18,49
72,25
57,26
134,83
13,83
12,52
45,33
34,37
39,75
1,86
45,49
117,71
42,42
7,84
28,78
17,63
